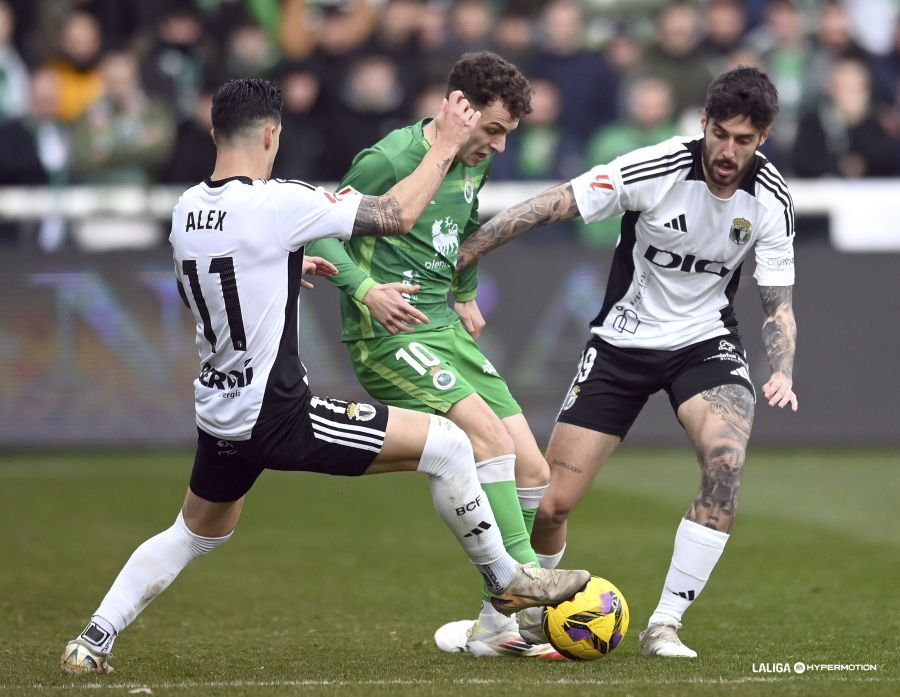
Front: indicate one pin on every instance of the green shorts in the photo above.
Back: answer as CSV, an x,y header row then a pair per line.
x,y
430,371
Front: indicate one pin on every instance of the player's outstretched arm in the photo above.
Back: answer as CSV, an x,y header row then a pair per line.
x,y
395,212
550,206
779,333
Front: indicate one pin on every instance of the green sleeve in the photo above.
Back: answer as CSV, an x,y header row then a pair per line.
x,y
372,173
350,278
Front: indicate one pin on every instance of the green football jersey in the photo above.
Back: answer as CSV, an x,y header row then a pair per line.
x,y
426,256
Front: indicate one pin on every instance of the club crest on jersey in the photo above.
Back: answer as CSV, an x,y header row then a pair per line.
x,y
469,190
360,411
445,236
442,379
740,232
571,397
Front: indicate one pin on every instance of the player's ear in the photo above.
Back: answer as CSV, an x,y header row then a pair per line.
x,y
703,120
212,134
763,137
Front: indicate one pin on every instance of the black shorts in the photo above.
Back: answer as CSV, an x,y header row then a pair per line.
x,y
330,436
612,384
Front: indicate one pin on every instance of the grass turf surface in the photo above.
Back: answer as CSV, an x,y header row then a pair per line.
x,y
335,586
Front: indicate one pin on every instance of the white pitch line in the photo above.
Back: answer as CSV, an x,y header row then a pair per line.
x,y
469,681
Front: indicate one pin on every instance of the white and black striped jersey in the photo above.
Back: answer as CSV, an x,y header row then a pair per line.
x,y
238,248
678,260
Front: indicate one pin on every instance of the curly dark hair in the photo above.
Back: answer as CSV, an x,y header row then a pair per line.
x,y
243,103
744,91
485,77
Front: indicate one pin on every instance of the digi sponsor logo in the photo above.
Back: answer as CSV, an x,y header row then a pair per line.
x,y
688,263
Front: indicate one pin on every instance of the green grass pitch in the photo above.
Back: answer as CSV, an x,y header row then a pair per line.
x,y
335,586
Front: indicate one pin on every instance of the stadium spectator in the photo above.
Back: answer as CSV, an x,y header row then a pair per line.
x,y
371,102
514,37
833,42
248,51
586,83
192,158
275,422
725,23
396,35
784,49
471,26
842,136
667,323
675,57
178,60
303,141
76,64
125,136
13,73
649,119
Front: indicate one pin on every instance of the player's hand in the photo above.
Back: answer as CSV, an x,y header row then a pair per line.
x,y
455,120
471,317
392,311
779,391
317,266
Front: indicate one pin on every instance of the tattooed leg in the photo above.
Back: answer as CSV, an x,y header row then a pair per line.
x,y
575,455
718,422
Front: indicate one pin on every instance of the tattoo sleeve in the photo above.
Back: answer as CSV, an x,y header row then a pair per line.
x,y
779,330
550,206
379,216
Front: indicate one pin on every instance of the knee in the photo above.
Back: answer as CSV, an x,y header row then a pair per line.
x,y
447,448
552,512
532,471
722,460
490,439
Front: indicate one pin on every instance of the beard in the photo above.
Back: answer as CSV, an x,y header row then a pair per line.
x,y
722,172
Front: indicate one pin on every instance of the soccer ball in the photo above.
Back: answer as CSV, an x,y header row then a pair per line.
x,y
589,625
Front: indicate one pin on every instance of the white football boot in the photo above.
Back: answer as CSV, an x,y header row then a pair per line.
x,y
662,640
531,625
474,637
80,657
533,586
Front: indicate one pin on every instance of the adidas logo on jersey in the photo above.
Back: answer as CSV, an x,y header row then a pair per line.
x,y
678,223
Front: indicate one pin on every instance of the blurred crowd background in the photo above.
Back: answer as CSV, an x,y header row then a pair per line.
x,y
119,91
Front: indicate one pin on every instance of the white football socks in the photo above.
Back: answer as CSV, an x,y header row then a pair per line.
x,y
149,571
530,497
697,549
551,561
448,461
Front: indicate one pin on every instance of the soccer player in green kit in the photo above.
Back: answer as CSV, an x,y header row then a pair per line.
x,y
410,349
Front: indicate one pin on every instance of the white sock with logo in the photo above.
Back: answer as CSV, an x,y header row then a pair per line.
x,y
149,571
448,461
697,550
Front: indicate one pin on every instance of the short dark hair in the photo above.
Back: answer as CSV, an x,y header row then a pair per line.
x,y
744,91
243,103
484,77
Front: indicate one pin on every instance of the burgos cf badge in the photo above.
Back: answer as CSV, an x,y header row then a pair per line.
x,y
360,411
740,231
442,379
469,190
571,397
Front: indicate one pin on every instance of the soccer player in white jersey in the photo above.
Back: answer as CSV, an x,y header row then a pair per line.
x,y
693,208
237,240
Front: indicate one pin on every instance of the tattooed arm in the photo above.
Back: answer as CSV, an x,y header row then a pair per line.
x,y
395,212
550,206
779,333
